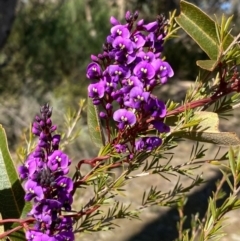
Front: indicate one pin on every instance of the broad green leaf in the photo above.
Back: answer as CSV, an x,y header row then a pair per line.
x,y
94,124
209,65
11,192
200,27
207,131
205,32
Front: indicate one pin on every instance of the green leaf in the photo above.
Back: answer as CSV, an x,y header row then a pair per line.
x,y
211,37
209,65
11,192
207,131
200,27
94,124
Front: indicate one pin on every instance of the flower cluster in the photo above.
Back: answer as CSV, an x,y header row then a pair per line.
x,y
47,185
124,76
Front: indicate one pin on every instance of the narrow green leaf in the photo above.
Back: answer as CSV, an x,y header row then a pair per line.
x,y
11,192
232,161
207,131
200,27
94,124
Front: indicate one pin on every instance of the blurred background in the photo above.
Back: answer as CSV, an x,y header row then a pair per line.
x,y
45,46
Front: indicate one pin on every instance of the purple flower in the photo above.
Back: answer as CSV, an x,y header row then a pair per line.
x,y
120,30
66,199
160,126
156,107
93,71
120,148
65,235
109,85
138,40
64,183
32,235
163,70
137,97
124,117
129,83
118,72
146,56
33,190
96,90
123,45
47,187
144,70
58,161
148,143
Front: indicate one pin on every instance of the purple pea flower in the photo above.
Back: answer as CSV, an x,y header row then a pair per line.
x,y
118,72
144,70
148,143
66,200
137,97
32,235
96,90
93,71
146,56
120,30
139,40
65,235
163,70
64,183
123,45
33,190
129,83
58,161
160,126
109,85
156,107
124,117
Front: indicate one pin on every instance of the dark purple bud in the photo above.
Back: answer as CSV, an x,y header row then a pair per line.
x,y
114,21
109,106
56,140
102,115
140,23
49,122
42,123
36,131
42,143
94,58
135,15
128,16
53,128
100,56
37,118
96,101
151,27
